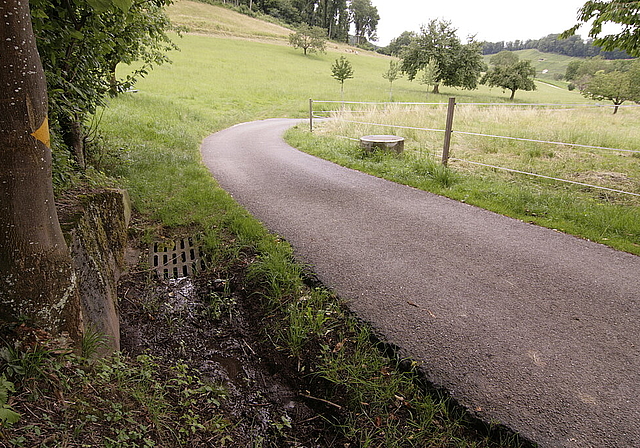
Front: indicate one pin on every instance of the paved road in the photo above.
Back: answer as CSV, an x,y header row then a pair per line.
x,y
523,325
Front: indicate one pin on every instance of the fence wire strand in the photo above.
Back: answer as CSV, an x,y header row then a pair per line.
x,y
497,136
546,177
544,141
393,126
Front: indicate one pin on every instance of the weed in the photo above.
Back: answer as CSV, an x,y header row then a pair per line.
x,y
429,167
92,342
7,415
24,365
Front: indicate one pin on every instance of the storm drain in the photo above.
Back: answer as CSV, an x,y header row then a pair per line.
x,y
182,260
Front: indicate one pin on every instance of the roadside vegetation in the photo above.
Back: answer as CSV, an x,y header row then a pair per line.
x,y
598,215
150,145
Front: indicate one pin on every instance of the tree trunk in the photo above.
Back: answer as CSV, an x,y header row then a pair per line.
x,y
436,88
615,109
513,94
36,279
73,136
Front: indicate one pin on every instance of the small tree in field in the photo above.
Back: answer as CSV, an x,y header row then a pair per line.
x,y
615,86
430,75
342,70
518,76
310,39
391,75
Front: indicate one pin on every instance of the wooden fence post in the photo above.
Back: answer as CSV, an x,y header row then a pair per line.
x,y
310,115
448,130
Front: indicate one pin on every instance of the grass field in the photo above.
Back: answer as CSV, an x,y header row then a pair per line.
x,y
599,215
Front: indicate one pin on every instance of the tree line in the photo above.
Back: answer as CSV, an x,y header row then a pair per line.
x,y
573,46
335,17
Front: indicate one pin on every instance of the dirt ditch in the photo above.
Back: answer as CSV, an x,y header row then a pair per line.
x,y
212,324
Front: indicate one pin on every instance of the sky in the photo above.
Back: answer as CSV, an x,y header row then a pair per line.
x,y
489,20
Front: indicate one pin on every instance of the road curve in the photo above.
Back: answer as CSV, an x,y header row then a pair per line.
x,y
523,325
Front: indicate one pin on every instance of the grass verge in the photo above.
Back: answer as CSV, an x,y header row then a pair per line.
x,y
598,215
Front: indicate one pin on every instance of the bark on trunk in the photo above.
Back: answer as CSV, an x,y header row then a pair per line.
x,y
36,278
73,137
436,88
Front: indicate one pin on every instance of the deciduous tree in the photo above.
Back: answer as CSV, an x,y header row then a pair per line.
x,y
625,13
504,58
365,19
458,65
36,280
342,70
397,45
309,38
615,86
512,77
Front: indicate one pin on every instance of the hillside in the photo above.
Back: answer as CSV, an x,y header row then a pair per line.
x,y
554,64
214,20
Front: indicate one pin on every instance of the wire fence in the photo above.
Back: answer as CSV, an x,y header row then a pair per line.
x,y
449,130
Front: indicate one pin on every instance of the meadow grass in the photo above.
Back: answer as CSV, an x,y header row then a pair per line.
x,y
208,19
599,215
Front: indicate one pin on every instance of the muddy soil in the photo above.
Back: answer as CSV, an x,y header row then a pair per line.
x,y
213,324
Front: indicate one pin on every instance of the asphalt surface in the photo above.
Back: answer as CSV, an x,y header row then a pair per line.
x,y
523,325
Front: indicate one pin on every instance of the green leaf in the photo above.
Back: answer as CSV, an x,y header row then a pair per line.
x,y
8,417
76,35
101,5
123,5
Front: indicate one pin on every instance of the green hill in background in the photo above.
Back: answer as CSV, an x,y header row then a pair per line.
x,y
549,66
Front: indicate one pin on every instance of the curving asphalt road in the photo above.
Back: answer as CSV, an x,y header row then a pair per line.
x,y
523,325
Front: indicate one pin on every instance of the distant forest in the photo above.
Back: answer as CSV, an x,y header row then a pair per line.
x,y
572,46
335,16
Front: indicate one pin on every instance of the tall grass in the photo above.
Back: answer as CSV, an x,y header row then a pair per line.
x,y
599,215
583,126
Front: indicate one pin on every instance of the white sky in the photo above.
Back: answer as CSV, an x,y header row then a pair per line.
x,y
490,20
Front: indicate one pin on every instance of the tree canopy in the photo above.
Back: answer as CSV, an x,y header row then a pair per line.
x,y
504,58
615,86
553,43
397,45
580,72
82,41
309,38
598,13
513,76
459,65
365,19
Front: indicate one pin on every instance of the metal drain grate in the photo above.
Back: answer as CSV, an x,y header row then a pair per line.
x,y
183,260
